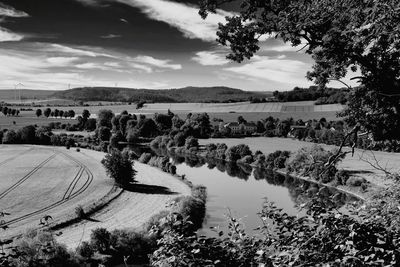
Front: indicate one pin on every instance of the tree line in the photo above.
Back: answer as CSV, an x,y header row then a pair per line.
x,y
9,111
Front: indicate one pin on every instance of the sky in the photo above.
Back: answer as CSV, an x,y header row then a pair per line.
x,y
155,44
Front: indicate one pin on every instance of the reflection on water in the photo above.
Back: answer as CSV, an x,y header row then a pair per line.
x,y
241,191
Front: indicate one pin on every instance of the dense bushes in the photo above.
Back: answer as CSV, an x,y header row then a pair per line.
x,y
310,161
324,237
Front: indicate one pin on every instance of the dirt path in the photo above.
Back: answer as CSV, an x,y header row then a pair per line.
x,y
131,209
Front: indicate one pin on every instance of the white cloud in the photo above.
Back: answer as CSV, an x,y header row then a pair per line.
x,y
278,70
111,36
159,63
7,36
210,58
76,51
181,16
141,67
61,61
8,11
112,64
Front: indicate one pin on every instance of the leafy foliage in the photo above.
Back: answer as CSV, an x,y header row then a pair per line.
x,y
350,35
119,167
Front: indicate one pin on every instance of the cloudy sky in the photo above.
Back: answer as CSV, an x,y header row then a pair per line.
x,y
57,44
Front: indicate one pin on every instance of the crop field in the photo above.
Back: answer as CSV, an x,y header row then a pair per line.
x,y
37,181
131,210
228,111
28,118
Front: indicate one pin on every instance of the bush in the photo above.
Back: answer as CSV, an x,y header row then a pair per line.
x,y
136,245
237,152
119,167
85,250
355,181
79,212
341,177
311,161
39,248
191,142
172,169
100,240
145,158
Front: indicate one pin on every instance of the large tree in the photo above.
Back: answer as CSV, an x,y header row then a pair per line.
x,y
341,36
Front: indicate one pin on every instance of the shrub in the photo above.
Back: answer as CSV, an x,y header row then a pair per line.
x,y
145,158
237,152
341,177
39,248
136,245
311,161
85,250
355,181
119,167
191,142
100,240
172,169
79,212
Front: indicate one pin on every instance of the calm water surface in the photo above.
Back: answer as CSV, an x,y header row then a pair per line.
x,y
242,198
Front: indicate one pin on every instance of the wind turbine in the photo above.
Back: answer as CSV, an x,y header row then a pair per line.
x,y
15,87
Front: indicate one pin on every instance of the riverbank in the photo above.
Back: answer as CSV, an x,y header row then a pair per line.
x,y
357,165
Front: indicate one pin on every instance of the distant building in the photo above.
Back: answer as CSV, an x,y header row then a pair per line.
x,y
243,128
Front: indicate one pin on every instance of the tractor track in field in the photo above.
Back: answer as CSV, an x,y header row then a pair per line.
x,y
68,195
26,177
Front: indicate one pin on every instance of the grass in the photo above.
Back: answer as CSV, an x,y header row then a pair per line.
x,y
29,118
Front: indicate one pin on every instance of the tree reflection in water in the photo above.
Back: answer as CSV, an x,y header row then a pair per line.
x,y
300,191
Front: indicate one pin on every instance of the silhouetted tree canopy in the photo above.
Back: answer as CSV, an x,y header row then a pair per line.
x,y
341,36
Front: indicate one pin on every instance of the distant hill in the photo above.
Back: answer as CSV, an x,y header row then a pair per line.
x,y
12,94
187,94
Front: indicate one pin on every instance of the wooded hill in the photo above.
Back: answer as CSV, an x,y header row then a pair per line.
x,y
187,94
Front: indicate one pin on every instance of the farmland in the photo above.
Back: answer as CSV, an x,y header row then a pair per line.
x,y
39,181
28,118
227,111
132,209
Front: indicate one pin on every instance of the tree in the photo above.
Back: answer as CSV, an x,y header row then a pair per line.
x,y
5,111
119,167
191,142
104,118
27,134
38,112
47,112
103,133
90,124
241,120
56,113
11,137
71,113
237,152
350,35
61,113
85,114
